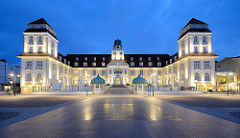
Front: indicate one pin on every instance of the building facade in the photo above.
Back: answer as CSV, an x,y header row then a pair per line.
x,y
227,74
44,69
3,73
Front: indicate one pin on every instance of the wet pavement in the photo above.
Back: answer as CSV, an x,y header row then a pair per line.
x,y
122,116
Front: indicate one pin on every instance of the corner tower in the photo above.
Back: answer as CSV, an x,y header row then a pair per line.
x,y
117,51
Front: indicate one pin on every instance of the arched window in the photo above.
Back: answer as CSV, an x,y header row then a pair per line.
x,y
85,64
150,64
197,76
85,59
141,64
195,42
39,77
132,58
30,42
39,40
75,64
28,77
158,58
132,64
159,64
77,58
94,59
204,40
140,59
94,64
207,77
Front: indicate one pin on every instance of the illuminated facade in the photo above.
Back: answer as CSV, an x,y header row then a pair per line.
x,y
44,69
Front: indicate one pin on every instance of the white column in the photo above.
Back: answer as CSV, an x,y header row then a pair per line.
x,y
35,43
209,44
44,44
191,44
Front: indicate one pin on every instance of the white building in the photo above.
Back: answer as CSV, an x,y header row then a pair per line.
x,y
43,68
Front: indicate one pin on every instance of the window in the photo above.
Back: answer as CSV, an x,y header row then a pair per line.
x,y
132,64
196,64
28,77
150,64
195,49
141,64
206,64
103,73
166,62
85,64
114,53
120,53
94,64
169,71
75,64
131,58
183,52
110,72
75,72
204,40
195,42
174,70
39,42
39,49
207,77
30,42
53,66
103,58
39,77
182,67
30,49
94,72
77,58
158,58
141,72
69,63
103,64
94,59
159,64
170,61
132,73
149,58
39,64
197,76
85,59
140,59
60,58
205,49
29,64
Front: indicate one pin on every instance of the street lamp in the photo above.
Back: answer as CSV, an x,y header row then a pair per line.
x,y
196,84
14,82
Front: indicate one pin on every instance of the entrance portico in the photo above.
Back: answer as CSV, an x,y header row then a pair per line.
x,y
118,73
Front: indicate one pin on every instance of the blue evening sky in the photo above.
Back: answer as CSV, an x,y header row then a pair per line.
x,y
144,26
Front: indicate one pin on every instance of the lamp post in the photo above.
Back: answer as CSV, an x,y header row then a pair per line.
x,y
196,84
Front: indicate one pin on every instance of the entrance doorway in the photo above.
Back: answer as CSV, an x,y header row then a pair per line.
x,y
118,81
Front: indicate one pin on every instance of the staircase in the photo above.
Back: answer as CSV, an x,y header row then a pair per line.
x,y
118,89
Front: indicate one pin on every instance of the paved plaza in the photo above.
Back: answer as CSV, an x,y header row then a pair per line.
x,y
122,116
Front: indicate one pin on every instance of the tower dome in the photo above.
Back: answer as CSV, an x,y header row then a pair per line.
x,y
117,42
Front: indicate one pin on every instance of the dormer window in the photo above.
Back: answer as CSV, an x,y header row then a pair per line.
x,y
85,59
30,42
77,58
150,64
75,64
85,64
158,58
60,58
94,59
69,63
170,61
131,58
64,61
141,64
103,58
175,58
195,42
39,40
132,64
120,53
140,59
94,64
166,62
149,58
103,64
159,64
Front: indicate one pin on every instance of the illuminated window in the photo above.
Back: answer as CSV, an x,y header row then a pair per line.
x,y
39,77
103,64
39,49
206,64
39,64
141,64
197,76
94,59
30,50
159,64
140,59
196,64
204,40
195,49
158,58
149,58
77,58
103,73
103,58
94,64
85,59
195,42
141,72
132,59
